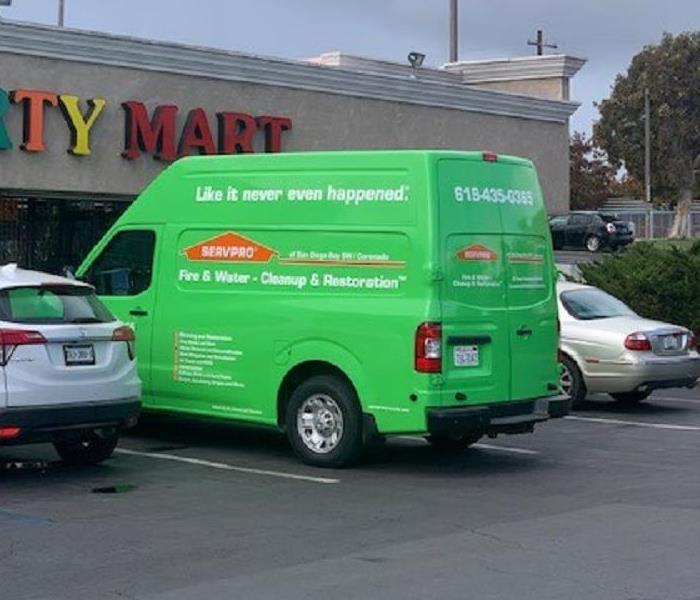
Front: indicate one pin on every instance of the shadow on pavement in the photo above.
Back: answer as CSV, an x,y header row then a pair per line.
x,y
646,407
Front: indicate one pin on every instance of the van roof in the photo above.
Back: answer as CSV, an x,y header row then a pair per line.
x,y
334,155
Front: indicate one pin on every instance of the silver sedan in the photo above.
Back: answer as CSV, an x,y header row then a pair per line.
x,y
607,348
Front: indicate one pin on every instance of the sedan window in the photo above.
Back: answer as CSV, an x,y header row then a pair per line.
x,y
589,304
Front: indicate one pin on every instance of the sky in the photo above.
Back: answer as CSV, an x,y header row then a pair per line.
x,y
608,33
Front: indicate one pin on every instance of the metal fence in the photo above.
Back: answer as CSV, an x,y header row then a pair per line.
x,y
656,224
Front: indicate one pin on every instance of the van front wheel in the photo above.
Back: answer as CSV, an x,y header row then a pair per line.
x,y
324,422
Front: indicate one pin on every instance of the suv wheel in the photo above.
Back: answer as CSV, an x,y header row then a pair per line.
x,y
593,243
324,422
571,381
90,450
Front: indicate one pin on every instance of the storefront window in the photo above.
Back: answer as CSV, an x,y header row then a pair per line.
x,y
48,234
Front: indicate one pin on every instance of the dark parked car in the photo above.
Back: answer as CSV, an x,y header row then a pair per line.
x,y
590,230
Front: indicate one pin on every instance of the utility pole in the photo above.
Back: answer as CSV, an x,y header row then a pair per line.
x,y
539,42
61,12
454,31
647,146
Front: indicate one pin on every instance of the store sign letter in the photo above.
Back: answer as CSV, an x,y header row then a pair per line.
x,y
79,124
153,136
5,143
34,102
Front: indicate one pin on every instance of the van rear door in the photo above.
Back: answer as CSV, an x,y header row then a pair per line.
x,y
498,308
474,316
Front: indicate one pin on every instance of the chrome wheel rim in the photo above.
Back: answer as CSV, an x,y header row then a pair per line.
x,y
593,244
320,423
566,380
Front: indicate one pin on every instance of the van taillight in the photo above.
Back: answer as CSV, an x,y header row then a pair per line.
x,y
11,338
428,348
125,334
490,157
638,342
692,341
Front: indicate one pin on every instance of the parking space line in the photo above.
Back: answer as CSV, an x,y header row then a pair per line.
x,y
225,467
633,423
415,438
506,449
653,399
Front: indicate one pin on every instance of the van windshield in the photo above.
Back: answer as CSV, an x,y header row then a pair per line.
x,y
590,304
49,304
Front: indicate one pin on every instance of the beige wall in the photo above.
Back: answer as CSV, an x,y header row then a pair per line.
x,y
552,88
321,121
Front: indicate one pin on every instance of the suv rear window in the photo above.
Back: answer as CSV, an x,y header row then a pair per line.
x,y
52,304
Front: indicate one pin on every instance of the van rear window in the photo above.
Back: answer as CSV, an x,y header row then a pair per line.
x,y
52,305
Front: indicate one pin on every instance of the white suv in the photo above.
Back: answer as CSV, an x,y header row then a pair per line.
x,y
67,367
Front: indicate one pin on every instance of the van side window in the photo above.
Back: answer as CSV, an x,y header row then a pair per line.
x,y
124,268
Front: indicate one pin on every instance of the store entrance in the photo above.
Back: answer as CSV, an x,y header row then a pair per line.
x,y
48,234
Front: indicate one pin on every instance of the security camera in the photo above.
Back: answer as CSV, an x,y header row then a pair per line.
x,y
416,59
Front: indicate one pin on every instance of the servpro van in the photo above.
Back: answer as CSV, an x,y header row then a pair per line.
x,y
342,297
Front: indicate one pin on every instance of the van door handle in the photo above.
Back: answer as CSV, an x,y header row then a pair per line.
x,y
524,331
138,312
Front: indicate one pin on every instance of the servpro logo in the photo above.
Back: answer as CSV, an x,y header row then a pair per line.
x,y
477,253
229,247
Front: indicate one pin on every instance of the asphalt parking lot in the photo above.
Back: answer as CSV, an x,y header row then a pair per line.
x,y
605,504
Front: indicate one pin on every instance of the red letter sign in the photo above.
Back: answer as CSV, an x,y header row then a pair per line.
x,y
236,132
274,126
196,134
155,136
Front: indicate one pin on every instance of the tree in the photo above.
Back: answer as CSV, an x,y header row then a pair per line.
x,y
671,73
591,177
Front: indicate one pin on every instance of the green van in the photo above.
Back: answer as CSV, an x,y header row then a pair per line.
x,y
342,296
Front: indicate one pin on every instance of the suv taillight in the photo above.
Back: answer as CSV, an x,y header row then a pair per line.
x,y
638,342
692,341
428,348
11,338
125,334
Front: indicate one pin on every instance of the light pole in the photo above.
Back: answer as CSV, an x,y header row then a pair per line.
x,y
61,12
454,31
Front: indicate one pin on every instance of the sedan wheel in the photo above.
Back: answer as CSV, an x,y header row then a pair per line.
x,y
571,381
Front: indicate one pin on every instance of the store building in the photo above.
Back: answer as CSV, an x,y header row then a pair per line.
x,y
87,120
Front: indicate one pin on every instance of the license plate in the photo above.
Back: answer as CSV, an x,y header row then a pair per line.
x,y
79,355
672,342
466,356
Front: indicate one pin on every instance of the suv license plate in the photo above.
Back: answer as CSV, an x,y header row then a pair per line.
x,y
466,356
79,355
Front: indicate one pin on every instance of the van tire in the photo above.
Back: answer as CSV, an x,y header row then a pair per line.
x,y
331,403
453,442
577,387
90,450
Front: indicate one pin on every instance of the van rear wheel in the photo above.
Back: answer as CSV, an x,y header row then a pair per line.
x,y
324,422
90,450
453,442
